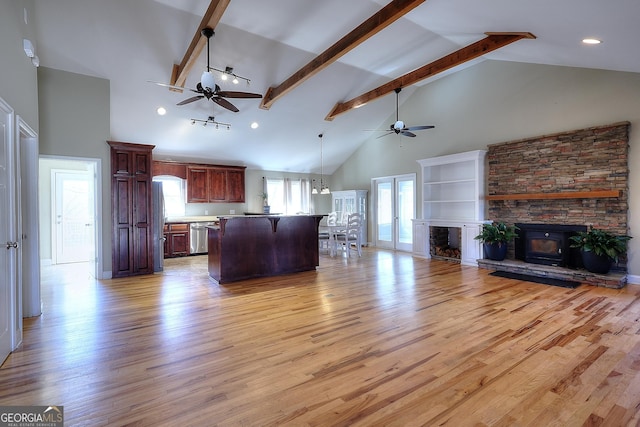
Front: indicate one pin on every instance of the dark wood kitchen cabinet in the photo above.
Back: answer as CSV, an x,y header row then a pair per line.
x,y
132,238
176,241
197,184
215,184
177,169
235,185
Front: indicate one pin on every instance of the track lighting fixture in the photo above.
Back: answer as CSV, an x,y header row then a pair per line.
x,y
211,120
228,71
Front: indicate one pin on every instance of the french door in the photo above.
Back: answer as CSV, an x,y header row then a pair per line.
x,y
395,206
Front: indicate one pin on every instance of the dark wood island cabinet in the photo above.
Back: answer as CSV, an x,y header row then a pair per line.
x,y
244,247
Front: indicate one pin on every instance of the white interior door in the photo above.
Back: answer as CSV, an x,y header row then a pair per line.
x,y
29,213
8,238
73,216
395,205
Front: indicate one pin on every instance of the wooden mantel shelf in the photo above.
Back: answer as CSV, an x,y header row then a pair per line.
x,y
602,194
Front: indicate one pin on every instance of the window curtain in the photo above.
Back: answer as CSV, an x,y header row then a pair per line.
x,y
297,193
290,196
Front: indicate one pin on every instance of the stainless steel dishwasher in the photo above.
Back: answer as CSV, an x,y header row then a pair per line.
x,y
198,237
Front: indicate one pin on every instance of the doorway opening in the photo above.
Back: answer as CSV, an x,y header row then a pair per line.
x,y
69,203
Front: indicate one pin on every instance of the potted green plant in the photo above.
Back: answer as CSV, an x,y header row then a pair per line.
x,y
599,248
495,238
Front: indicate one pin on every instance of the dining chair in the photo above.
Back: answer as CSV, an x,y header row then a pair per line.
x,y
325,240
351,235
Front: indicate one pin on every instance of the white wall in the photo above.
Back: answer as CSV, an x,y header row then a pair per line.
x,y
18,78
501,101
74,122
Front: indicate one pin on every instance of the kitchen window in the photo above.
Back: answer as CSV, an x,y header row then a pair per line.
x,y
173,189
288,196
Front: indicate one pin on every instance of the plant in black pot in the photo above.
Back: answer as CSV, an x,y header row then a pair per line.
x,y
599,248
495,238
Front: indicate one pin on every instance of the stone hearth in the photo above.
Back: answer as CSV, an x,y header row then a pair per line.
x,y
611,280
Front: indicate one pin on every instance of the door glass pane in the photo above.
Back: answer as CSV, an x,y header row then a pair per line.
x,y
384,211
406,211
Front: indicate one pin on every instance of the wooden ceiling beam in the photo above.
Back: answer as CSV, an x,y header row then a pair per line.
x,y
490,43
212,16
377,22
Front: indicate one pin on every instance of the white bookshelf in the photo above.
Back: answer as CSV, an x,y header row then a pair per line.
x,y
453,186
452,196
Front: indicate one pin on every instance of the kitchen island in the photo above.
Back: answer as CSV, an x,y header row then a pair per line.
x,y
244,247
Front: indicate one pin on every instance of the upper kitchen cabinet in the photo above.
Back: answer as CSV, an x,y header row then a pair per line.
x,y
235,185
215,184
132,238
169,168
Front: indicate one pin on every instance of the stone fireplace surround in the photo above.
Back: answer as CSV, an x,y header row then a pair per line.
x,y
531,181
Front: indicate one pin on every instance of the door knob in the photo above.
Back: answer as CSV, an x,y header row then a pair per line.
x,y
13,245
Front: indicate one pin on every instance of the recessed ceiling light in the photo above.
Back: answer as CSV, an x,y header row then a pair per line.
x,y
254,125
161,111
591,41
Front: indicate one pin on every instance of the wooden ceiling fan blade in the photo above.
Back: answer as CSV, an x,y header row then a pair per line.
x,y
234,94
189,100
224,103
419,127
407,133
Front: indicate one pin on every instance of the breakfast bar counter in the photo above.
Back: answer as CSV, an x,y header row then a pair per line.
x,y
244,247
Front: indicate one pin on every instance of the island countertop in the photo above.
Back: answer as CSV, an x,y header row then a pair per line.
x,y
243,247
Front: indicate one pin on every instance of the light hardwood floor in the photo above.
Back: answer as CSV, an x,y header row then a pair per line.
x,y
386,339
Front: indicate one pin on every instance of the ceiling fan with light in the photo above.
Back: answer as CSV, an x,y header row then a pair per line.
x,y
399,127
207,87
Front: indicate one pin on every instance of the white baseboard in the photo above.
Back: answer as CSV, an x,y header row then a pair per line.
x,y
633,279
105,275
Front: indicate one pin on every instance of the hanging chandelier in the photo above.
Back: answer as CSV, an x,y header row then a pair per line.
x,y
324,189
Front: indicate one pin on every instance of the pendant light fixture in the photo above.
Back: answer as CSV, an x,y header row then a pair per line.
x,y
324,189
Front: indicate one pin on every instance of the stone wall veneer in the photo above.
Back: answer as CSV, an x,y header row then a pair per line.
x,y
582,160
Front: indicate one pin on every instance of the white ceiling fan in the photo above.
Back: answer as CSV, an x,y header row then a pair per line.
x,y
399,127
207,87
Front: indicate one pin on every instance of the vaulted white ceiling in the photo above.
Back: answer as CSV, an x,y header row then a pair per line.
x,y
134,42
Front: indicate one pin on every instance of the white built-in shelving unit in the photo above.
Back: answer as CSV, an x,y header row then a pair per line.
x,y
452,196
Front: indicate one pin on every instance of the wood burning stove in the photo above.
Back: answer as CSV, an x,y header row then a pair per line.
x,y
548,244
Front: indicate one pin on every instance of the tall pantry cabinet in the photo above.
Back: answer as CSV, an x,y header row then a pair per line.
x,y
131,204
